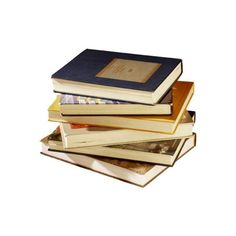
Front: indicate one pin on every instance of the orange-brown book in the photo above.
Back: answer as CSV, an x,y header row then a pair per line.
x,y
182,93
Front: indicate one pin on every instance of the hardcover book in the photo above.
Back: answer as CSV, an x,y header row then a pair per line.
x,y
181,92
138,173
118,76
79,135
158,152
81,105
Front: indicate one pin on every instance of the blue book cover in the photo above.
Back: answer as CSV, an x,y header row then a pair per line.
x,y
121,70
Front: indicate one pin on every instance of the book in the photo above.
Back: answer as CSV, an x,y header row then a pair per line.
x,y
81,105
181,92
138,173
118,76
79,135
159,152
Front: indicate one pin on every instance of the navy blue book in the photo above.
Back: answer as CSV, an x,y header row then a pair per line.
x,y
118,76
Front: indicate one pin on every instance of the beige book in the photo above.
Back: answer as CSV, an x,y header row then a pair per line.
x,y
79,135
138,173
81,105
162,152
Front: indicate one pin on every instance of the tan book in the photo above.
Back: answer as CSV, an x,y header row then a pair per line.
x,y
182,93
162,152
79,135
138,173
81,105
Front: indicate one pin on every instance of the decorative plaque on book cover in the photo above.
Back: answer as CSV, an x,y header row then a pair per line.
x,y
129,70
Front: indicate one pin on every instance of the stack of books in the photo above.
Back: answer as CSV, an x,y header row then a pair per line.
x,y
123,115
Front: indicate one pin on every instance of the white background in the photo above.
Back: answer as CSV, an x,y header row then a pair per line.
x,y
42,196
